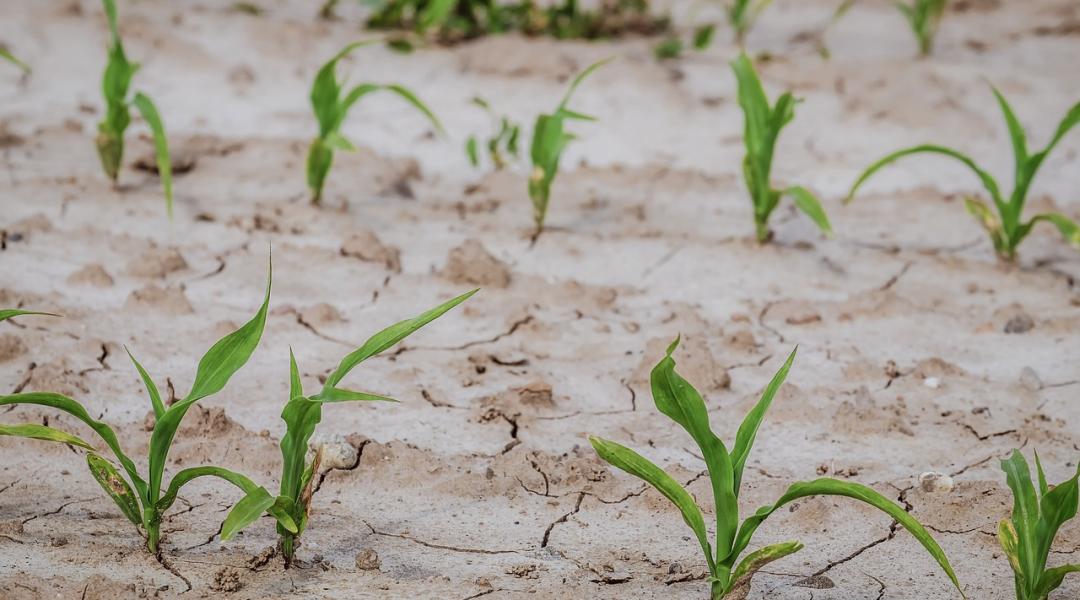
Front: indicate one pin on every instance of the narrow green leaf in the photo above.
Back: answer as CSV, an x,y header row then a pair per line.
x,y
1068,228
151,389
703,36
245,512
581,77
640,467
987,180
115,486
750,565
472,152
336,141
7,55
341,395
1052,579
1016,132
1025,513
150,114
833,487
41,432
411,98
9,313
810,206
217,366
744,439
1056,507
73,408
390,336
1010,544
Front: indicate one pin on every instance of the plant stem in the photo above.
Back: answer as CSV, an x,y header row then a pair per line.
x,y
287,545
763,233
153,535
717,591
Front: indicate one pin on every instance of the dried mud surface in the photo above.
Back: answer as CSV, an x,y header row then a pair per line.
x,y
918,351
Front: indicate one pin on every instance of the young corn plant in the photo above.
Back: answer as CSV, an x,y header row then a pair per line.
x,y
924,17
115,84
301,415
728,576
10,313
144,500
1037,515
1007,227
503,142
331,104
549,139
762,127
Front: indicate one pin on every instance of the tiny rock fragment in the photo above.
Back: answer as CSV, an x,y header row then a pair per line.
x,y
365,246
471,263
935,482
1019,323
932,382
337,453
93,275
368,560
1030,379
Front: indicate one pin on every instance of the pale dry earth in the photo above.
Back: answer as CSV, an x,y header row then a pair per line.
x,y
481,483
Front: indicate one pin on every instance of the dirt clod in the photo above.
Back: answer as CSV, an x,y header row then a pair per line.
x,y
368,560
472,264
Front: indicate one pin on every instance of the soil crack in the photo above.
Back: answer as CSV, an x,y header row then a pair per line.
x,y
434,545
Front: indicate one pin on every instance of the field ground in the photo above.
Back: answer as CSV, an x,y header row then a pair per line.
x,y
918,351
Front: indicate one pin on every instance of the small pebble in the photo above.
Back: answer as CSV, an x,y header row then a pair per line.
x,y
932,481
368,560
932,382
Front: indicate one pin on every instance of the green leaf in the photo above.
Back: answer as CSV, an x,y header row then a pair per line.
x,y
340,395
9,313
150,114
435,14
668,48
833,487
472,152
390,336
41,432
1056,507
1016,133
217,366
1068,228
676,398
7,55
1025,513
115,486
151,389
1010,545
411,98
744,439
741,576
987,180
76,410
187,475
703,36
640,467
581,77
336,141
1052,579
301,416
245,512
810,206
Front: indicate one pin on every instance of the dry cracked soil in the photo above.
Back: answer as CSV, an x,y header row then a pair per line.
x,y
918,351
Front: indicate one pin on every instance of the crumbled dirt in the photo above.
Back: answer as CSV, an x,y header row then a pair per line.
x,y
922,360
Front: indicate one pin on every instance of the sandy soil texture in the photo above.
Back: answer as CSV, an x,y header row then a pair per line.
x,y
918,350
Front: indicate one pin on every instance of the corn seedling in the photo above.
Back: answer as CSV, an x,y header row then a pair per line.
x,y
673,46
8,56
1007,228
145,505
742,14
549,139
115,85
924,17
301,415
503,142
678,400
331,104
762,128
452,21
1037,515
